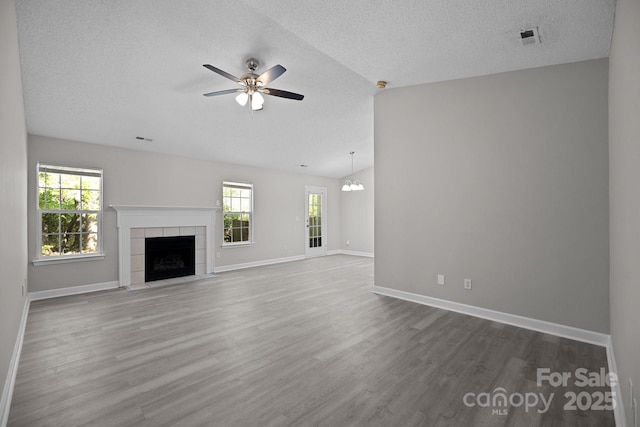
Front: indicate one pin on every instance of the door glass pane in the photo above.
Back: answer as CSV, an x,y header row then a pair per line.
x,y
315,220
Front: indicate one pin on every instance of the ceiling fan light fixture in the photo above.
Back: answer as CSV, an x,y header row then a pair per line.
x,y
254,85
242,98
256,101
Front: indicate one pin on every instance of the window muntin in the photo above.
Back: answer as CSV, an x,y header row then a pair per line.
x,y
237,207
69,211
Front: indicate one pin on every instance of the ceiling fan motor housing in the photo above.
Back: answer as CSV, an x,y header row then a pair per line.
x,y
252,64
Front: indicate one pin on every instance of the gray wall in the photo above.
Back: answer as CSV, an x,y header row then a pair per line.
x,y
624,190
143,178
13,188
502,179
356,214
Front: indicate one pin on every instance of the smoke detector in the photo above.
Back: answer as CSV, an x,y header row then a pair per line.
x,y
530,36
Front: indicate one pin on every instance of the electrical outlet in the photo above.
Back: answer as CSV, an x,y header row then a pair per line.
x,y
217,254
348,243
467,284
441,279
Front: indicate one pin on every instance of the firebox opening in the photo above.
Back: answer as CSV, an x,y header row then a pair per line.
x,y
168,257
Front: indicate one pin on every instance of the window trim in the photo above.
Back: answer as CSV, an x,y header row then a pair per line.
x,y
240,185
61,259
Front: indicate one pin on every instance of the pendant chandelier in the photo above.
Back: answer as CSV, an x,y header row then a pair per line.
x,y
356,185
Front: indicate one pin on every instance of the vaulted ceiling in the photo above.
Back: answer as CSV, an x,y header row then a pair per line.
x,y
107,72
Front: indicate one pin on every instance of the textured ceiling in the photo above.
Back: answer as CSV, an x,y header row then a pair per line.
x,y
107,71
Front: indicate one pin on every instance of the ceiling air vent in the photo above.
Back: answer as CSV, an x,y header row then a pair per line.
x,y
530,36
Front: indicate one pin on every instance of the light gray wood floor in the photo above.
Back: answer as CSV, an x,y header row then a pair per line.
x,y
298,344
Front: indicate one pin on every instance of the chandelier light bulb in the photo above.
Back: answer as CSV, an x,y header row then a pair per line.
x,y
356,185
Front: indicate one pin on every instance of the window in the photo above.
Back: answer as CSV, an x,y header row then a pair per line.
x,y
69,212
237,208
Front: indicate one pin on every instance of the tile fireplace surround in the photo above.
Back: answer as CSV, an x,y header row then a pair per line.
x,y
167,220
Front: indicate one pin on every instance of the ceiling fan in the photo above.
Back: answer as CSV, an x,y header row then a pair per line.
x,y
253,85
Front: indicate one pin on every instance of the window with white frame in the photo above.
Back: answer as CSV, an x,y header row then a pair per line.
x,y
69,211
237,211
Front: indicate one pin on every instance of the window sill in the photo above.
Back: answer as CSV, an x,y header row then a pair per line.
x,y
237,245
66,259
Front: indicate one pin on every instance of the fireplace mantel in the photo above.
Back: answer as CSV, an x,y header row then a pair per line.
x,y
130,216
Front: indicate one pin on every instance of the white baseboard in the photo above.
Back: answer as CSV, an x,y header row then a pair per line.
x,y
564,331
7,391
72,290
223,268
354,253
618,412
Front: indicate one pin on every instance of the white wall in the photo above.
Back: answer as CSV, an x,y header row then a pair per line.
x,y
624,188
13,188
502,179
143,178
357,215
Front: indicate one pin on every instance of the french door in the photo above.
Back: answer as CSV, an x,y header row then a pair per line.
x,y
316,221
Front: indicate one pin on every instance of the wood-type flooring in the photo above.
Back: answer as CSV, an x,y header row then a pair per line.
x,y
303,343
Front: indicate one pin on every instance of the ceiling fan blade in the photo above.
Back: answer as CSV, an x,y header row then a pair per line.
x,y
222,73
271,74
223,92
282,94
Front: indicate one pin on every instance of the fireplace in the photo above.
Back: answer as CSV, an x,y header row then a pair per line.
x,y
137,223
169,257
